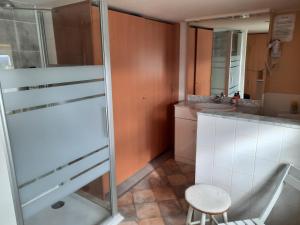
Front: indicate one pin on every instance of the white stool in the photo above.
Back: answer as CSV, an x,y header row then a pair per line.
x,y
209,200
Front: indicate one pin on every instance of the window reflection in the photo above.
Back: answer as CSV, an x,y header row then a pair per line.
x,y
6,59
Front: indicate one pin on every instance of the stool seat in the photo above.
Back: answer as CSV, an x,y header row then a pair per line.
x,y
208,199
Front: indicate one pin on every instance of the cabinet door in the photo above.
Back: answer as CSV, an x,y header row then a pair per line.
x,y
185,140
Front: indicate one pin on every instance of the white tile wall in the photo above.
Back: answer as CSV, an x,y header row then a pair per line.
x,y
243,156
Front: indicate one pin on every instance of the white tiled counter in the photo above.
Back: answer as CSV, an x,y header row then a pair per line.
x,y
241,153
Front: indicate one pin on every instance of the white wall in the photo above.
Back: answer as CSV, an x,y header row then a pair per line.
x,y
241,156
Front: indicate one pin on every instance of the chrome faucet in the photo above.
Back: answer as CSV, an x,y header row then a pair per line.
x,y
219,98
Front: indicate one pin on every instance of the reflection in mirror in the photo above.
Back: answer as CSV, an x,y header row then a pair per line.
x,y
56,35
19,45
238,55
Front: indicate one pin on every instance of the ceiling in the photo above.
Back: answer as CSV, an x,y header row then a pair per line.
x,y
253,24
180,10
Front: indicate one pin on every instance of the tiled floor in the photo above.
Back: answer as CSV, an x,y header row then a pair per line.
x,y
159,198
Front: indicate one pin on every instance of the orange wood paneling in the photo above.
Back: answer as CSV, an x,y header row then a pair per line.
x,y
96,35
190,61
203,62
73,36
255,61
144,59
285,78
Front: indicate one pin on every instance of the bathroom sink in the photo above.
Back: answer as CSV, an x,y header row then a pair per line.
x,y
214,107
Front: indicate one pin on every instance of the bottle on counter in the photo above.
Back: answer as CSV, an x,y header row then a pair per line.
x,y
294,107
235,98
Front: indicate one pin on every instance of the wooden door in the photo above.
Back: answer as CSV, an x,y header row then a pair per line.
x,y
96,35
144,79
123,39
203,62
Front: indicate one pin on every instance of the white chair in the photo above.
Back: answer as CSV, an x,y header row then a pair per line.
x,y
286,178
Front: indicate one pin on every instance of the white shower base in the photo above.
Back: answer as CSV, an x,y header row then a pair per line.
x,y
76,211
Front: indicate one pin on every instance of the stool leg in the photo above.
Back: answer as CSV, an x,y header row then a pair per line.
x,y
189,216
211,221
225,217
203,219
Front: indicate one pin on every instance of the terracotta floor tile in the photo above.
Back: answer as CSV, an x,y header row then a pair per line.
x,y
128,211
152,221
154,174
142,185
170,167
170,162
160,171
158,182
143,196
175,220
164,193
125,199
170,208
184,204
177,179
190,177
186,168
180,190
129,223
147,210
160,193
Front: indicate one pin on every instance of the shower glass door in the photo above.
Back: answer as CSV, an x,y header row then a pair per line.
x,y
57,113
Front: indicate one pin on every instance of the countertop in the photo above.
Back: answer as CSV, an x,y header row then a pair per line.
x,y
261,119
247,113
239,108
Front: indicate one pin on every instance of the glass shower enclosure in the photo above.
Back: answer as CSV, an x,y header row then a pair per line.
x,y
56,131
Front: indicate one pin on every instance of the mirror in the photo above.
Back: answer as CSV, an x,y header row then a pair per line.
x,y
238,54
49,35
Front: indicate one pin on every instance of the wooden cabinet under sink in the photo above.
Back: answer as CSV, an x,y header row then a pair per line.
x,y
185,135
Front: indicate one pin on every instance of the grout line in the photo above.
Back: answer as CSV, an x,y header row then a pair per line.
x,y
233,155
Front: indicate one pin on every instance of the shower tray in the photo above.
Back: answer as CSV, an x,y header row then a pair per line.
x,y
77,210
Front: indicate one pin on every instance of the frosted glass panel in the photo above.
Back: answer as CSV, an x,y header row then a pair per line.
x,y
43,140
36,97
64,190
59,176
57,126
34,77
